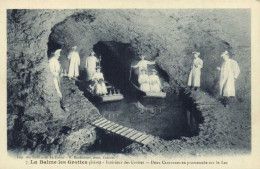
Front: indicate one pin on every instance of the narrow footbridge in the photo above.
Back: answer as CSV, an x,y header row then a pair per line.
x,y
123,131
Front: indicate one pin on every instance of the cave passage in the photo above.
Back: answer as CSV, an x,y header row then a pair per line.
x,y
116,62
117,59
166,118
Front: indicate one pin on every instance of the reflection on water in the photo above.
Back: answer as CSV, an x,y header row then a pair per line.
x,y
166,118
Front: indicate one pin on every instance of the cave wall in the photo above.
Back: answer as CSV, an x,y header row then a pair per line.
x,y
169,35
28,76
35,118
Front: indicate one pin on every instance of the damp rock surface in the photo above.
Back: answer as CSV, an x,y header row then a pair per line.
x,y
224,131
168,36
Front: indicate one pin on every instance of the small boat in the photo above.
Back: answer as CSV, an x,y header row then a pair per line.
x,y
112,96
161,94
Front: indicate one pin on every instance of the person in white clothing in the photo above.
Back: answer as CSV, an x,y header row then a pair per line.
x,y
155,84
74,63
98,78
91,63
142,64
143,80
229,72
194,76
55,70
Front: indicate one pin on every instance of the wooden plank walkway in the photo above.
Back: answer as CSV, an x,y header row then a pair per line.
x,y
123,131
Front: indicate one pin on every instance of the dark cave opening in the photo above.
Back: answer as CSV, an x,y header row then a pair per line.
x,y
117,59
116,62
52,46
146,115
166,118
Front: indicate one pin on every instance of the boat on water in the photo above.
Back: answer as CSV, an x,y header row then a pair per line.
x,y
161,94
112,95
88,86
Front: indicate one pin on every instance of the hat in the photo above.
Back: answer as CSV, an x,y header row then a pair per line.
x,y
153,70
92,53
74,47
225,52
57,51
196,53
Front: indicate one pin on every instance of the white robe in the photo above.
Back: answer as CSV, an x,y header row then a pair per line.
x,y
91,63
100,87
55,70
155,83
228,73
194,76
143,80
143,65
74,64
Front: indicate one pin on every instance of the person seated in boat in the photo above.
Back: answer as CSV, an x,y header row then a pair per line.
x,y
155,83
142,64
143,80
98,78
91,85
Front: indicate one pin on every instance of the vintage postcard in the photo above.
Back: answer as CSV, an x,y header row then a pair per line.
x,y
130,84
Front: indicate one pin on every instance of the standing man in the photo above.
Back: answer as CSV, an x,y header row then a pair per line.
x,y
91,63
142,64
194,76
74,63
229,72
55,70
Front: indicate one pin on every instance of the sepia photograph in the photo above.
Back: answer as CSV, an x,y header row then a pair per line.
x,y
94,85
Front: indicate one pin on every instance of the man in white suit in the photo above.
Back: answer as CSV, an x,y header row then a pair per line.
x,y
229,72
91,64
74,63
55,70
142,64
194,76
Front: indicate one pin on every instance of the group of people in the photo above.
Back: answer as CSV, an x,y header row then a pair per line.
x,y
229,72
94,73
147,83
99,87
56,68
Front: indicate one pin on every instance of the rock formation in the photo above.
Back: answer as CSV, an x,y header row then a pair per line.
x,y
35,117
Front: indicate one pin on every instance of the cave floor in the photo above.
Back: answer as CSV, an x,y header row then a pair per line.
x,y
225,131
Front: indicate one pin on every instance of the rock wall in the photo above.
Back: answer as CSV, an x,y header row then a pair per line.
x,y
170,35
223,131
167,35
35,118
